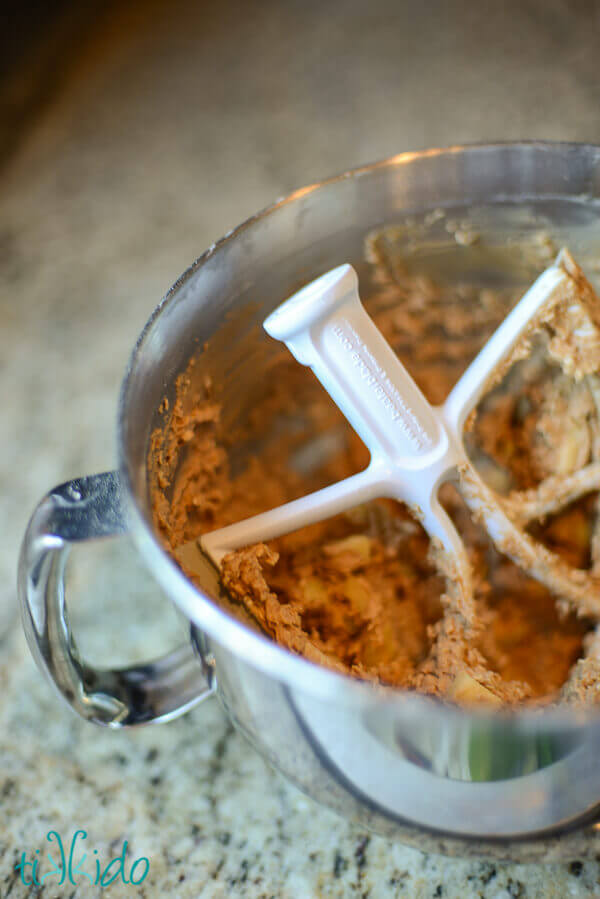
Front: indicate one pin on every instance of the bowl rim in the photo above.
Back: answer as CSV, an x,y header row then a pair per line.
x,y
254,648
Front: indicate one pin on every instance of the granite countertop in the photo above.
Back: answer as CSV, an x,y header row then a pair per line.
x,y
176,122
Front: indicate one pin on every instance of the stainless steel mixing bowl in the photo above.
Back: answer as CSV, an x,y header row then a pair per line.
x,y
523,785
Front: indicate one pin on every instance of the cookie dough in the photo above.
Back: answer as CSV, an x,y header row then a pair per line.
x,y
360,593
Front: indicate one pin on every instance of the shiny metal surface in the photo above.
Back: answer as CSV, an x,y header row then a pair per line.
x,y
521,785
86,509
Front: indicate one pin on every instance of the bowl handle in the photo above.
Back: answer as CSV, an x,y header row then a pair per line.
x,y
85,509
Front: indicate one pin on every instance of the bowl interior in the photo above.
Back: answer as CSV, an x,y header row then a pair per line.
x,y
483,216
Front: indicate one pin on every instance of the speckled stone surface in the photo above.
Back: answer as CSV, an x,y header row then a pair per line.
x,y
177,123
